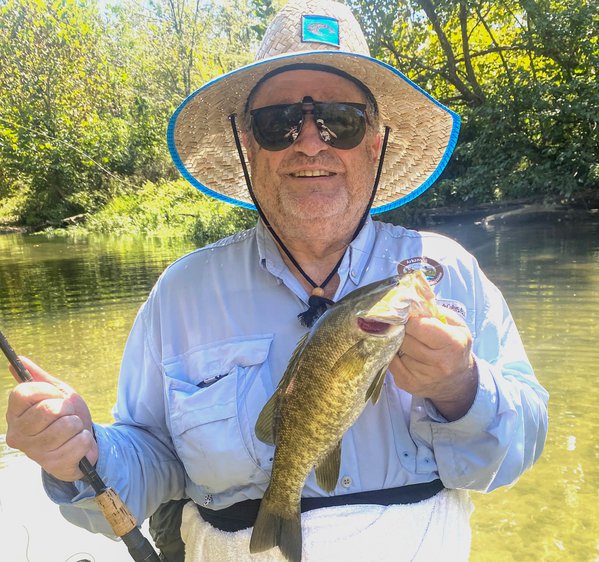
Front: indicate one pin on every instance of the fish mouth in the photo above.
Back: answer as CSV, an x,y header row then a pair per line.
x,y
373,327
380,322
410,295
393,309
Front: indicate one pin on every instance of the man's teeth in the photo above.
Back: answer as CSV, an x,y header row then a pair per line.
x,y
311,173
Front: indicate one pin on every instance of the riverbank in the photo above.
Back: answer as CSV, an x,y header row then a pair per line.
x,y
578,207
164,208
177,209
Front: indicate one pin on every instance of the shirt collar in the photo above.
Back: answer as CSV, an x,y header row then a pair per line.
x,y
358,256
354,261
268,251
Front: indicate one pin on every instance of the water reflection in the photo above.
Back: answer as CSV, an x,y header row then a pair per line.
x,y
550,276
41,276
70,304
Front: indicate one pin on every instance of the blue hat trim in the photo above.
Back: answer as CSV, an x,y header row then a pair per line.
x,y
453,138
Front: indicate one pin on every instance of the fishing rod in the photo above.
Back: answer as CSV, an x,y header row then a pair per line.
x,y
114,509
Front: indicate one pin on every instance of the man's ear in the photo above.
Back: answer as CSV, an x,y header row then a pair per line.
x,y
375,146
248,143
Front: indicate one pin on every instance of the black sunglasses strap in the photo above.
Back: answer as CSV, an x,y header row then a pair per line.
x,y
377,179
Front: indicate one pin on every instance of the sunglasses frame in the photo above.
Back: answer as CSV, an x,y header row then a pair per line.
x,y
310,107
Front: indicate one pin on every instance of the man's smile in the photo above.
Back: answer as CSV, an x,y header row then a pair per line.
x,y
311,174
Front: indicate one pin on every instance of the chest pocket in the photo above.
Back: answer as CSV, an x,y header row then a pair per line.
x,y
207,390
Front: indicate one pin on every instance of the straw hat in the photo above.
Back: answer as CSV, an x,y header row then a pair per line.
x,y
423,132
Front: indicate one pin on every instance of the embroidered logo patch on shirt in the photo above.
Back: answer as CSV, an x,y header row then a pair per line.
x,y
433,270
320,29
454,305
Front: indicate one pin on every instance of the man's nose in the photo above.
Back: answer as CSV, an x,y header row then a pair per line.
x,y
309,140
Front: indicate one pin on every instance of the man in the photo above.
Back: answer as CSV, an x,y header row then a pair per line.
x,y
330,135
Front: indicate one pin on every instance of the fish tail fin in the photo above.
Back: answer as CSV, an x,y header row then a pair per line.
x,y
273,529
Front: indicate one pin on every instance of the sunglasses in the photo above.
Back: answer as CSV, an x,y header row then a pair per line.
x,y
340,125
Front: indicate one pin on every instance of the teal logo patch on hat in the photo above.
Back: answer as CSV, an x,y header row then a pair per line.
x,y
320,29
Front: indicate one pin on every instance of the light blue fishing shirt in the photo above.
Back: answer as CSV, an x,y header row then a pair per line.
x,y
212,341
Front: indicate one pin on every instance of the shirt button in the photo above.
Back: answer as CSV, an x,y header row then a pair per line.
x,y
346,481
208,499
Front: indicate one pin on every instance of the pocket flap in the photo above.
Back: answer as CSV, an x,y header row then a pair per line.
x,y
218,358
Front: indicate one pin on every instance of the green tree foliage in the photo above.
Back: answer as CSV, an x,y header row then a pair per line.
x,y
55,75
523,75
86,92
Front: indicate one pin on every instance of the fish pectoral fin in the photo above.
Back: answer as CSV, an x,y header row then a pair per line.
x,y
327,472
374,392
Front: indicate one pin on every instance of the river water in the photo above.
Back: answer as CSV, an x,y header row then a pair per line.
x,y
68,303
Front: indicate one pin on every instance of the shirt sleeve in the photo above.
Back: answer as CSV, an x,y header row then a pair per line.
x,y
504,431
136,455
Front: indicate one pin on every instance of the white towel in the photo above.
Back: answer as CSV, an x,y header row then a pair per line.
x,y
431,530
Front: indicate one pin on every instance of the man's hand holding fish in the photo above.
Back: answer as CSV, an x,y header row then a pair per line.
x,y
436,362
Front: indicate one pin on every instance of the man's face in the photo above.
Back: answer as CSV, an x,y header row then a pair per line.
x,y
311,182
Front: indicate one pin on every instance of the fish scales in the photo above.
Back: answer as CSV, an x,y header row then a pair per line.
x,y
309,436
336,368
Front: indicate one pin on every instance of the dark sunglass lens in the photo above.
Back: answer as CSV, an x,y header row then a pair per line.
x,y
341,125
276,127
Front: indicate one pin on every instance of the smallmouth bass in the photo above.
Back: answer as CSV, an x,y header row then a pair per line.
x,y
335,369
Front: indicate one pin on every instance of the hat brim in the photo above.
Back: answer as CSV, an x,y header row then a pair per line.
x,y
422,138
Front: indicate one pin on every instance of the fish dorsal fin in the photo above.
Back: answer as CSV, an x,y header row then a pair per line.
x,y
374,392
266,425
327,472
301,343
